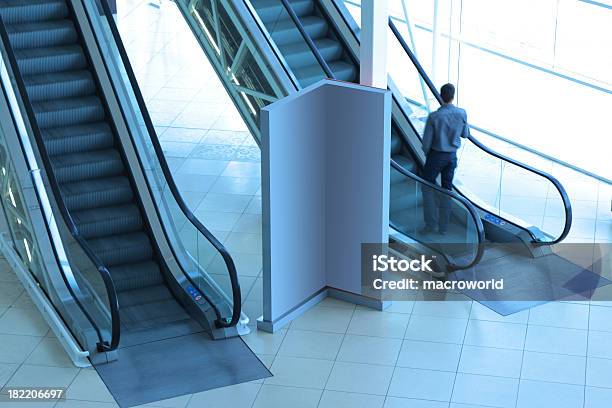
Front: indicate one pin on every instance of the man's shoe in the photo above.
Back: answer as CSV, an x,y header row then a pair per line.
x,y
442,232
425,231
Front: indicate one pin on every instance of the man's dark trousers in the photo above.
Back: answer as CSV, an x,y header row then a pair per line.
x,y
444,164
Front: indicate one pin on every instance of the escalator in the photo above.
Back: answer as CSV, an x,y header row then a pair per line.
x,y
264,50
133,260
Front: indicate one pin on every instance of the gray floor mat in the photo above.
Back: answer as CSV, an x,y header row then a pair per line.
x,y
529,282
177,366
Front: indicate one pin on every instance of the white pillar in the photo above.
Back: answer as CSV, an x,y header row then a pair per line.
x,y
373,51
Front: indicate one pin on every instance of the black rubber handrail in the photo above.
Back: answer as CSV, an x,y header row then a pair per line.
x,y
566,201
227,258
72,285
465,202
308,39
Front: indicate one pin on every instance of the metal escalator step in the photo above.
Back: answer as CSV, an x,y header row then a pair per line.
x,y
149,306
78,138
42,34
69,111
35,61
60,85
285,32
135,276
23,11
272,10
107,221
87,165
95,193
313,73
122,249
299,55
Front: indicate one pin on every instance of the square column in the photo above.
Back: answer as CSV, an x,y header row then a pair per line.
x,y
373,50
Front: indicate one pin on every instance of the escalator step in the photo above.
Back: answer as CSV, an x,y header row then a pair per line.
x,y
313,73
285,32
137,275
122,249
106,221
79,138
43,34
87,165
149,306
23,11
271,10
59,85
53,59
69,111
299,55
95,193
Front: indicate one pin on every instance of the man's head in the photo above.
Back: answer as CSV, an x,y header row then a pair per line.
x,y
447,92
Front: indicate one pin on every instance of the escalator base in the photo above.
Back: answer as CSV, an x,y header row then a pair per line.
x,y
178,366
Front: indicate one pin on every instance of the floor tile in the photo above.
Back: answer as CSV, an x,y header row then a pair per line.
x,y
310,344
27,322
41,376
443,308
495,334
300,372
395,402
360,378
437,329
376,323
6,371
263,342
422,384
600,344
9,293
485,390
553,368
15,349
429,355
335,399
203,167
271,396
326,319
597,397
88,386
600,319
539,394
556,340
236,185
369,350
239,395
49,352
491,361
560,314
599,372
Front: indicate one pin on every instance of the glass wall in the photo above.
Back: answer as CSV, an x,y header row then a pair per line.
x,y
538,73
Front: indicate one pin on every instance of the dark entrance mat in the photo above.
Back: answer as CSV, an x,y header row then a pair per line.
x,y
177,366
529,282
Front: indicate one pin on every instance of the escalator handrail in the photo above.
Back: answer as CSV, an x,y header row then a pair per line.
x,y
227,258
308,39
67,218
562,192
465,202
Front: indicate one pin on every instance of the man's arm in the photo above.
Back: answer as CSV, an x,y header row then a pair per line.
x,y
428,135
466,127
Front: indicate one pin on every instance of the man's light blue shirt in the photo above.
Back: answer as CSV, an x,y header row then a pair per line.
x,y
445,128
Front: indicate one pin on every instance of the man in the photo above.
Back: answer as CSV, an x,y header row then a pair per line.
x,y
441,140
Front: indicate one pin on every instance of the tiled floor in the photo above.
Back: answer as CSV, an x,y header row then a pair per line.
x,y
417,355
